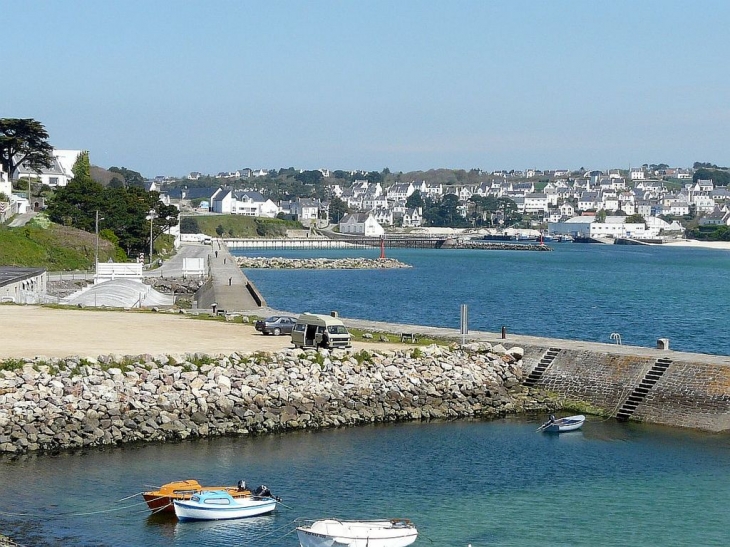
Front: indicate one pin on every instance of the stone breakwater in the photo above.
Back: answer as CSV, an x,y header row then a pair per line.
x,y
496,246
70,403
321,263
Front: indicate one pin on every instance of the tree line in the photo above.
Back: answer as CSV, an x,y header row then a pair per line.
x,y
128,215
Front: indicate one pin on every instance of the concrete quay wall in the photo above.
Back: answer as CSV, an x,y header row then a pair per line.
x,y
693,392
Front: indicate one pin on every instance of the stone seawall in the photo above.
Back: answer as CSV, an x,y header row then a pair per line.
x,y
69,403
693,391
278,263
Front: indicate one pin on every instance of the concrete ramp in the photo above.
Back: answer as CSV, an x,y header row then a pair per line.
x,y
228,288
119,293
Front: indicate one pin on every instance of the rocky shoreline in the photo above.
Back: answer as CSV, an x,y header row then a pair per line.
x,y
56,404
320,263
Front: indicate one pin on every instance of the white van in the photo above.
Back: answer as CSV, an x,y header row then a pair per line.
x,y
310,328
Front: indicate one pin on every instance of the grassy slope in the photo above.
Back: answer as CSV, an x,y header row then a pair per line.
x,y
242,226
55,248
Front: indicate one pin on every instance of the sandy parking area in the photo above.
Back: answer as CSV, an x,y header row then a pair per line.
x,y
31,331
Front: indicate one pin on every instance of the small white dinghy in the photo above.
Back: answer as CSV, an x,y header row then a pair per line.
x,y
220,505
357,533
571,423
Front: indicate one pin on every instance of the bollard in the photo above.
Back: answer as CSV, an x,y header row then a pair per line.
x,y
230,280
504,332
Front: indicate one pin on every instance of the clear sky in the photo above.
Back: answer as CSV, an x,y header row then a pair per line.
x,y
168,87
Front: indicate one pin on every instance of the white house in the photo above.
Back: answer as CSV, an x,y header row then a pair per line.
x,y
567,210
536,203
360,224
383,215
714,218
6,186
637,173
306,210
253,204
58,174
400,191
222,201
412,218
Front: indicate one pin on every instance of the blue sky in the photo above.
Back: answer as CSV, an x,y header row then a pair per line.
x,y
168,87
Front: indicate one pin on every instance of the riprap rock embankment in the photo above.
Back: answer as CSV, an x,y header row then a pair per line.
x,y
320,263
76,402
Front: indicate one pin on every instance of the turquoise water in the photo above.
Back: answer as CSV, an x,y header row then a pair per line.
x,y
484,483
466,482
581,292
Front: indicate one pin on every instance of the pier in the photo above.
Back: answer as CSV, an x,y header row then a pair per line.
x,y
362,242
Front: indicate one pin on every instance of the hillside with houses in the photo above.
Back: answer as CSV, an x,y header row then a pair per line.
x,y
640,202
645,202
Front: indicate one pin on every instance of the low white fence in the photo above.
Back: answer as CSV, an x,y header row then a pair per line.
x,y
194,266
118,270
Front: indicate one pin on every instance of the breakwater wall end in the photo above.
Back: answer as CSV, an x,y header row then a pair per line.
x,y
70,403
693,391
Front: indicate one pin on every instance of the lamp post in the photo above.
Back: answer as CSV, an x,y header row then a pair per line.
x,y
152,219
96,253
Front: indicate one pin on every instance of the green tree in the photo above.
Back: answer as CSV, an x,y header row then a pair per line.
x,y
309,177
130,178
635,219
337,209
126,211
719,177
415,200
220,230
508,209
374,177
76,203
601,216
24,141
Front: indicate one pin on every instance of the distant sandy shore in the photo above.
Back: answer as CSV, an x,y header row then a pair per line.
x,y
719,245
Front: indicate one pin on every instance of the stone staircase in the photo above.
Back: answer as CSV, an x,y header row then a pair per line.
x,y
640,392
541,367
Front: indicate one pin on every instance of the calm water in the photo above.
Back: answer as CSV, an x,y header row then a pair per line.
x,y
583,292
484,483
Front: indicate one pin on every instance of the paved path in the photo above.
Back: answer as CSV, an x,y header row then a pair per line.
x,y
22,219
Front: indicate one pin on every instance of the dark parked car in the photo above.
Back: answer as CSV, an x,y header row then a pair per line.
x,y
276,325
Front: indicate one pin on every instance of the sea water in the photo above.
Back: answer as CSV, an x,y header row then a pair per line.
x,y
466,482
578,291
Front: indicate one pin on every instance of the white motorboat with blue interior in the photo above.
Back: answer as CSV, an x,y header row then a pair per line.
x,y
357,533
220,505
571,423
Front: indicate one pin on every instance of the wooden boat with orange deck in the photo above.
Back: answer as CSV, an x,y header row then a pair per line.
x,y
160,500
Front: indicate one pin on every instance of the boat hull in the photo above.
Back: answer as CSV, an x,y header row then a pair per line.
x,y
562,425
160,501
243,508
332,533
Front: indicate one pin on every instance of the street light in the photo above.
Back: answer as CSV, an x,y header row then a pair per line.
x,y
153,215
96,254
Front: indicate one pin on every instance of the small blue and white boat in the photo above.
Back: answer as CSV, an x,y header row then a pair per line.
x,y
220,505
571,423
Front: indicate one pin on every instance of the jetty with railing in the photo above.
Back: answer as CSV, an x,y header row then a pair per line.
x,y
338,241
